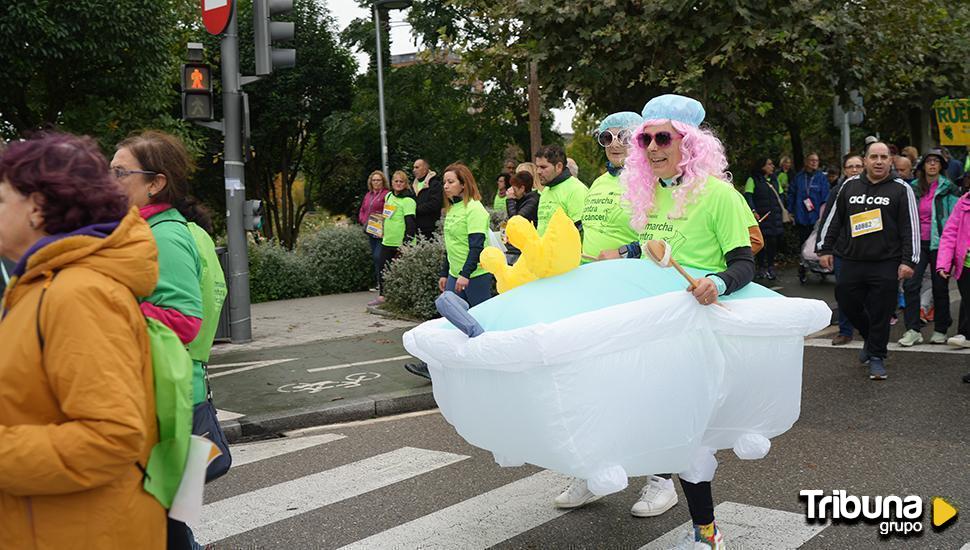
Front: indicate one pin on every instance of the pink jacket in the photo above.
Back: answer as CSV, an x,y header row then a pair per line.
x,y
373,204
955,240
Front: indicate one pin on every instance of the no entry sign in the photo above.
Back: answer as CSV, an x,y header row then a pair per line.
x,y
215,15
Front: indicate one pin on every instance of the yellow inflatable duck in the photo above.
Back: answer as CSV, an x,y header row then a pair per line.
x,y
556,252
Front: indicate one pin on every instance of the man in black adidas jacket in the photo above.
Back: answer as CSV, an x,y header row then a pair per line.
x,y
873,227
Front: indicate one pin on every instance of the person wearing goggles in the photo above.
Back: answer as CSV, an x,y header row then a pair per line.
x,y
606,223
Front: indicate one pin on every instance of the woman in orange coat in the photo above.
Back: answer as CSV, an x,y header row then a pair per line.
x,y
77,407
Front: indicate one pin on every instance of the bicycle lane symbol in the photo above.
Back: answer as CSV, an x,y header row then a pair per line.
x,y
350,381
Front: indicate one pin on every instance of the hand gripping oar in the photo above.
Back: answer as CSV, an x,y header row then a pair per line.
x,y
660,252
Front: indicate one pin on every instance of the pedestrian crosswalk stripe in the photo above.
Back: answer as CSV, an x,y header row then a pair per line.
x,y
254,452
749,527
248,511
479,522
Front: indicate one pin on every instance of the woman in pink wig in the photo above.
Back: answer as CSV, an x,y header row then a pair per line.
x,y
679,191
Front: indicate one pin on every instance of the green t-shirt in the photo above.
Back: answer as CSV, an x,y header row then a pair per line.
x,y
570,195
749,186
499,203
179,266
606,222
712,225
461,221
782,182
395,210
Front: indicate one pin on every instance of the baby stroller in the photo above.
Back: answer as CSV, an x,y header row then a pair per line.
x,y
809,259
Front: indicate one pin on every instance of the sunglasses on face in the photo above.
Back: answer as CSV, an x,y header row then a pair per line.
x,y
662,139
607,138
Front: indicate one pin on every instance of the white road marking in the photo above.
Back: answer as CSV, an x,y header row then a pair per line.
x,y
246,366
368,422
749,527
248,511
893,347
254,452
479,522
222,415
359,363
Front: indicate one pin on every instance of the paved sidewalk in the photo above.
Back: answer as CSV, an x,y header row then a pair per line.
x,y
290,322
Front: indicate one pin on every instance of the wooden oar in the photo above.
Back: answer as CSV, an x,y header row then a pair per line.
x,y
657,250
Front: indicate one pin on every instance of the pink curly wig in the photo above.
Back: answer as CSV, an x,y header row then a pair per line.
x,y
702,155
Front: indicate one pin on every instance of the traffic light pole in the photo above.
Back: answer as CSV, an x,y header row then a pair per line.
x,y
240,320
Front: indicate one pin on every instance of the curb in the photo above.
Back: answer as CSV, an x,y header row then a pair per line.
x,y
361,408
380,312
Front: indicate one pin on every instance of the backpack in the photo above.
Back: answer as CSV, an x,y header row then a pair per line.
x,y
172,375
213,287
213,291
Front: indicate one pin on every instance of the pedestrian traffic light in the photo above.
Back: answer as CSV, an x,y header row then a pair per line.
x,y
196,86
253,215
267,32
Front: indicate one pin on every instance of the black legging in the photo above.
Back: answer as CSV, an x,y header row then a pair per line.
x,y
766,258
700,500
963,283
387,254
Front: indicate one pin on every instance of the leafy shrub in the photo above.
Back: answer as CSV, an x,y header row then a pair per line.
x,y
339,259
496,218
411,281
275,273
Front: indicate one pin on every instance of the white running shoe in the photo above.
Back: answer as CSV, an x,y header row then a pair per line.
x,y
693,541
576,495
656,497
959,341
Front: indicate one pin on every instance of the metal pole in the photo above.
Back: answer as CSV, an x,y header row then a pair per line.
x,y
240,322
380,90
846,137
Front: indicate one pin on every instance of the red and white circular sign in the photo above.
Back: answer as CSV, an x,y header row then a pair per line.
x,y
215,15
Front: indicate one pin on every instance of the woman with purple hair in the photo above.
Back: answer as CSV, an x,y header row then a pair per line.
x,y
679,191
77,431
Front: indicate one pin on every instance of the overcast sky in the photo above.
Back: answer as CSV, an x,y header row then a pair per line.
x,y
402,41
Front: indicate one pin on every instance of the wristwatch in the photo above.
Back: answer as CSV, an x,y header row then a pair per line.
x,y
624,251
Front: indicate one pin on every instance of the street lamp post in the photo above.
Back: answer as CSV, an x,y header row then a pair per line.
x,y
388,5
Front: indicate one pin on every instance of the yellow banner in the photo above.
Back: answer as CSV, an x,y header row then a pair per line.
x,y
953,118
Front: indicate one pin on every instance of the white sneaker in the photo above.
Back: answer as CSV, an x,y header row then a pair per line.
x,y
576,495
656,497
959,341
690,542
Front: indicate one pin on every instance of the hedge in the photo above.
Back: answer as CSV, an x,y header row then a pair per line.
x,y
333,260
411,281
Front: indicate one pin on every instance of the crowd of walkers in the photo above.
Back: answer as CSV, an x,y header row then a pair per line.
x,y
109,261
916,222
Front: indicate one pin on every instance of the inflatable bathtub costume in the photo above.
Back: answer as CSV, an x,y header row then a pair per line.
x,y
610,369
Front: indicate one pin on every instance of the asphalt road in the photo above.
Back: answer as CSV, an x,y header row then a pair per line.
x,y
412,482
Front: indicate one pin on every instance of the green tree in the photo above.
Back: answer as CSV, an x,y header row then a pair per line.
x,y
287,113
763,68
90,66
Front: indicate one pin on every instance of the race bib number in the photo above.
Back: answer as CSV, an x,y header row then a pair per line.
x,y
866,222
389,210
